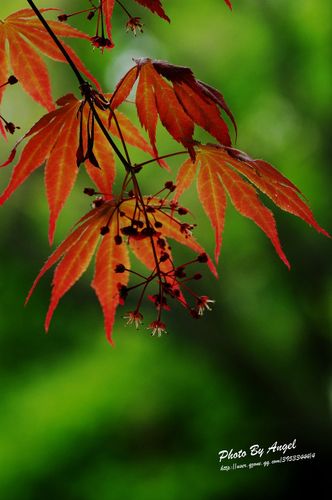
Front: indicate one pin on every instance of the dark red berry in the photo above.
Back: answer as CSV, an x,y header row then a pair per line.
x,y
90,15
117,239
158,224
62,17
197,276
182,211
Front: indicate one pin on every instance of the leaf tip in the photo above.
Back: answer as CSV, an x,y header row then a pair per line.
x,y
51,231
325,233
109,338
213,268
287,263
49,314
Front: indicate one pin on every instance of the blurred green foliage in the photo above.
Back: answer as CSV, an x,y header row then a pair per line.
x,y
145,420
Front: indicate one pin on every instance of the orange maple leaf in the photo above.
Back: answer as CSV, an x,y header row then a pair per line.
x,y
75,253
225,172
55,140
108,7
24,33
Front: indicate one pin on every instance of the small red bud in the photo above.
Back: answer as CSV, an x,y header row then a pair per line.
x,y
90,15
117,239
10,127
202,258
179,272
138,223
120,268
186,229
148,231
170,185
89,191
104,230
12,80
161,243
158,224
101,42
62,17
129,231
182,211
98,202
164,257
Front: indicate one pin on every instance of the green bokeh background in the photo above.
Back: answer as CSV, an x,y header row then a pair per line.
x,y
145,420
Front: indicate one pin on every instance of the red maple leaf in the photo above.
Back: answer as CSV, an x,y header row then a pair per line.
x,y
225,172
57,139
108,7
155,7
24,33
181,105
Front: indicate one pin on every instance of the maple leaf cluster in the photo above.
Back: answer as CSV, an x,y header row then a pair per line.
x,y
91,133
